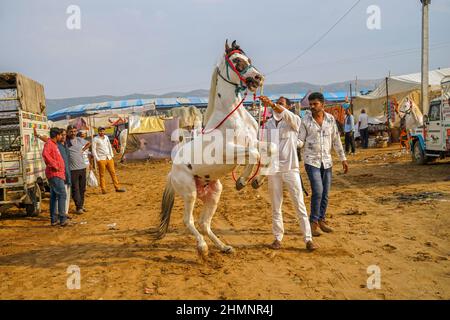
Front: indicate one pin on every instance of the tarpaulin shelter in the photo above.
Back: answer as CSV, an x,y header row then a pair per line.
x,y
111,107
126,106
28,93
153,142
140,105
138,124
398,88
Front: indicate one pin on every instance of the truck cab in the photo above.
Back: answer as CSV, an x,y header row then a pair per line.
x,y
22,169
432,140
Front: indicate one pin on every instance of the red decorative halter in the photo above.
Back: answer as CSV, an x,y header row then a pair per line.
x,y
241,78
244,81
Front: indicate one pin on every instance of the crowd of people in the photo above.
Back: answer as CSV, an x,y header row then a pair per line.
x,y
68,155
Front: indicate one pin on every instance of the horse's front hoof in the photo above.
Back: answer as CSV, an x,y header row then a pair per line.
x,y
228,250
240,184
202,253
256,184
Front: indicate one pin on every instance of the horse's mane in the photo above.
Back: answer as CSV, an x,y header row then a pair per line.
x,y
212,97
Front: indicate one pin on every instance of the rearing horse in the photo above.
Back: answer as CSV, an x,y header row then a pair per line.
x,y
193,179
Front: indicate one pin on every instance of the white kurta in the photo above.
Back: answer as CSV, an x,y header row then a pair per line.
x,y
288,130
287,174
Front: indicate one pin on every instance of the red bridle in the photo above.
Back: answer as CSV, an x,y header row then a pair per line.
x,y
241,78
233,67
244,81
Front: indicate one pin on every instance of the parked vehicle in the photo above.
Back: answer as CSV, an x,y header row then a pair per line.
x,y
22,169
432,141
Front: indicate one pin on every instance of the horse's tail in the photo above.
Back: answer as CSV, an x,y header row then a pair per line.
x,y
166,209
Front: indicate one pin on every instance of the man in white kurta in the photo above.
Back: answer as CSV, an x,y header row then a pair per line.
x,y
286,171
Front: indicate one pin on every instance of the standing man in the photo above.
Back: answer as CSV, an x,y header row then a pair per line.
x,y
56,175
64,151
77,146
318,134
363,126
287,172
104,156
349,130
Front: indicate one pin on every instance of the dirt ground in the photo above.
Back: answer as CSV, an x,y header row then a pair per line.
x,y
379,210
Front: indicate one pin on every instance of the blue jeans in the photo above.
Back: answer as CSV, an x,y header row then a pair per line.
x,y
364,137
320,180
57,200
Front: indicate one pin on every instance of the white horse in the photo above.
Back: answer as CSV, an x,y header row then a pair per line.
x,y
192,179
411,114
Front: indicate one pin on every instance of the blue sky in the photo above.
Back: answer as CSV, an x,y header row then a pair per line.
x,y
139,46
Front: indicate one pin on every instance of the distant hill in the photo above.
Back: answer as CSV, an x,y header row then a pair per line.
x,y
297,87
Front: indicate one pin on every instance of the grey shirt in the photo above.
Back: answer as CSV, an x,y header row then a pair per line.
x,y
76,146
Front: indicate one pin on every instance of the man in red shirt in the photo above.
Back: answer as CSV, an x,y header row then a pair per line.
x,y
56,175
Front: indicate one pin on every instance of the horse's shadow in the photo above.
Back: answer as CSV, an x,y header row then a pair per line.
x,y
178,248
98,254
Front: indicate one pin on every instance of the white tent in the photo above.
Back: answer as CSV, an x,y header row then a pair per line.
x,y
407,83
399,88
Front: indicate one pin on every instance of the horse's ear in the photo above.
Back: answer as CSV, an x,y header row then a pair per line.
x,y
227,47
235,46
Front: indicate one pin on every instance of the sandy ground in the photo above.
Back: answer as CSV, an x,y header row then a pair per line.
x,y
376,221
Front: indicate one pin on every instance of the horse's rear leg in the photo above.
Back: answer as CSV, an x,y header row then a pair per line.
x,y
211,201
189,202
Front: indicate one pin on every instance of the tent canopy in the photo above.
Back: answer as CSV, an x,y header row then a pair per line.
x,y
104,107
407,83
139,105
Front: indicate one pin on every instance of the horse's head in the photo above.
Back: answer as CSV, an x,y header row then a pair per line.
x,y
406,108
240,68
412,114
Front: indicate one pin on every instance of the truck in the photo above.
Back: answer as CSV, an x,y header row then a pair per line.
x,y
432,140
22,168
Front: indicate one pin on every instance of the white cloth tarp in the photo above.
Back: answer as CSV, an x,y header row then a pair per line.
x,y
407,83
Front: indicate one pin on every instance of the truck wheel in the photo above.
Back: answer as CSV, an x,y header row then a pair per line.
x,y
418,156
34,209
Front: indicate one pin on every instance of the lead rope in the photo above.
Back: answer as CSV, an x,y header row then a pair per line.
x,y
260,130
226,118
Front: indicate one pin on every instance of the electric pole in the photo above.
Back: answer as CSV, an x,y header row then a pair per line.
x,y
424,99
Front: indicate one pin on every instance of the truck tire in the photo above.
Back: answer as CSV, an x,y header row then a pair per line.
x,y
34,209
418,156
